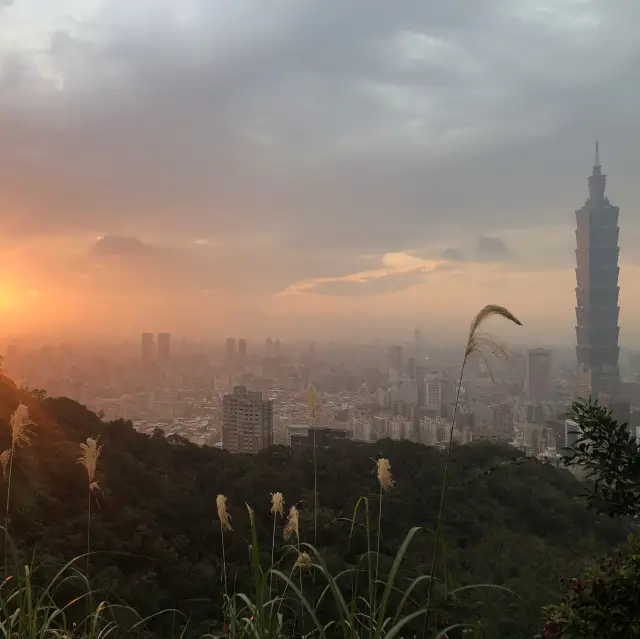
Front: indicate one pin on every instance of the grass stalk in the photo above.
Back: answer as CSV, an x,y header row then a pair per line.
x,y
482,344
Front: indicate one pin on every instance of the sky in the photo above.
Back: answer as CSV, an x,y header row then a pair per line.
x,y
310,168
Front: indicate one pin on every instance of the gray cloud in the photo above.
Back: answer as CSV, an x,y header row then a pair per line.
x,y
365,126
453,255
484,248
120,245
491,248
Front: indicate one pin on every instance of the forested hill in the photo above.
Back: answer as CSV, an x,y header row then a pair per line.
x,y
157,538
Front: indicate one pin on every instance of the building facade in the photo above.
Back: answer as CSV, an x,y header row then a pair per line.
x,y
537,380
230,355
597,292
164,348
148,348
247,421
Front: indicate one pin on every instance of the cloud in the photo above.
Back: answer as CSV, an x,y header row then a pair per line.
x,y
297,137
388,283
120,245
396,272
453,255
334,114
484,248
491,248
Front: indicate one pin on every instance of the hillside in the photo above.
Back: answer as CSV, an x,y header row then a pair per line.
x,y
157,538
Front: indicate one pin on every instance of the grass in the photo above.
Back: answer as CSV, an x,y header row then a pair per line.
x,y
32,610
295,594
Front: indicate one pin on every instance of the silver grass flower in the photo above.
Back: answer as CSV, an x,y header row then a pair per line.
x,y
303,561
484,343
20,422
385,479
223,513
292,527
277,504
88,459
4,461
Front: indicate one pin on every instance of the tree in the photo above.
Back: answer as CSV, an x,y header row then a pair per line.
x,y
605,600
609,454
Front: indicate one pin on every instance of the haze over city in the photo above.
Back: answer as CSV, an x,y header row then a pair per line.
x,y
325,169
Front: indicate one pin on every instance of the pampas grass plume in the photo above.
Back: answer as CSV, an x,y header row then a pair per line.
x,y
479,342
4,461
223,513
20,434
292,527
385,478
88,459
277,504
303,561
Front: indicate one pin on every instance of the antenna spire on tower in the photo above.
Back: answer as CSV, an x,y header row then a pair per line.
x,y
597,163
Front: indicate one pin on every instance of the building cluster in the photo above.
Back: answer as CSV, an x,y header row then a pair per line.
x,y
245,397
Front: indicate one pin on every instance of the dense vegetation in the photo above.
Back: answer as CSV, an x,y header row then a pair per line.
x,y
156,539
603,601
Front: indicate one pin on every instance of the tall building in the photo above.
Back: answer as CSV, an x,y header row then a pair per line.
x,y
418,342
148,348
396,359
242,354
164,348
537,376
597,292
247,421
230,355
410,367
268,348
433,394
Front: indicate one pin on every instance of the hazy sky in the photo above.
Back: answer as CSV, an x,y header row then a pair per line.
x,y
309,167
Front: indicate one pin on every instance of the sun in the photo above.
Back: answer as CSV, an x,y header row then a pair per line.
x,y
9,298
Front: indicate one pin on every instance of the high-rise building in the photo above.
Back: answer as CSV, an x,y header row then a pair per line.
x,y
247,421
242,354
502,415
597,292
396,359
410,367
230,355
268,348
433,393
148,348
537,376
164,348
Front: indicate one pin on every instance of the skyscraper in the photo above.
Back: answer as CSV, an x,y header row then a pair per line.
x,y
597,292
396,359
164,348
230,355
537,381
247,421
148,348
242,354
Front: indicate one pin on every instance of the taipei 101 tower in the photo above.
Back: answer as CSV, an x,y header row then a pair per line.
x,y
597,293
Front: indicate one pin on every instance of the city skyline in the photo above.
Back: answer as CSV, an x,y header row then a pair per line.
x,y
443,197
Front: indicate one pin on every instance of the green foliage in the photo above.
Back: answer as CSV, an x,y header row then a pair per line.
x,y
604,602
156,540
32,610
608,453
386,609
